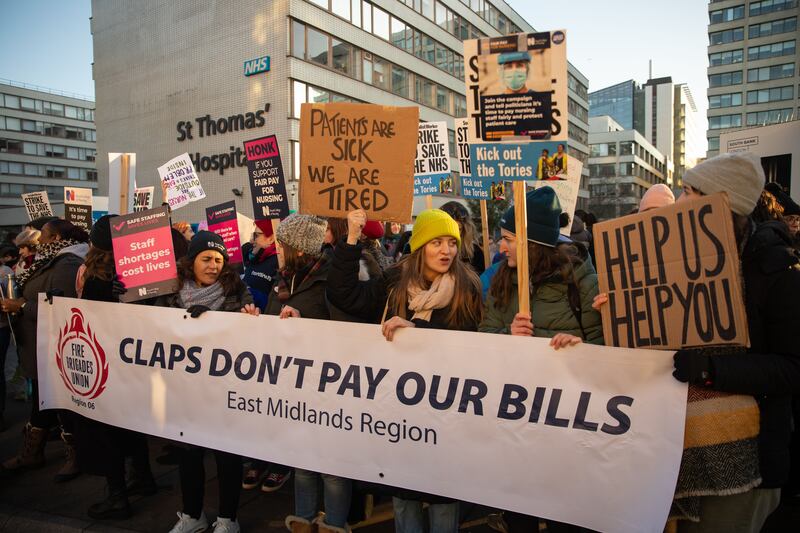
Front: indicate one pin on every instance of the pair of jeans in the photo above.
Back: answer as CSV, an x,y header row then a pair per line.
x,y
337,493
193,481
408,517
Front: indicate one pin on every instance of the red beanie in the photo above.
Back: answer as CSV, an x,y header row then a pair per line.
x,y
372,229
265,226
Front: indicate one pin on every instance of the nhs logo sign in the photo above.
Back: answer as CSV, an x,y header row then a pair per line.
x,y
256,66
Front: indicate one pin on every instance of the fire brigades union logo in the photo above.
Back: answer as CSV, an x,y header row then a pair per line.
x,y
81,360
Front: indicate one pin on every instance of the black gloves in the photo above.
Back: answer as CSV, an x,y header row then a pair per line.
x,y
53,292
197,310
693,367
117,287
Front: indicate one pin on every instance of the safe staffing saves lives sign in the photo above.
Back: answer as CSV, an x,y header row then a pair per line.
x,y
143,256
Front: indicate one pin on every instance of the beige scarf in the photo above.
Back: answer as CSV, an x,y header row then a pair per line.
x,y
423,302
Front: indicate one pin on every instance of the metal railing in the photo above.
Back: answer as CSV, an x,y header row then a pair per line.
x,y
22,85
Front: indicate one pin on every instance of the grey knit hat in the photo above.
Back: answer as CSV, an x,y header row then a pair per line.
x,y
738,174
304,233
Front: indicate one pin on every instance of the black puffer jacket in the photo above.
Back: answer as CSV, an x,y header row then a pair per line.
x,y
770,370
366,300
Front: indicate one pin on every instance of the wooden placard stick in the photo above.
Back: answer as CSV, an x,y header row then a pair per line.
x,y
521,219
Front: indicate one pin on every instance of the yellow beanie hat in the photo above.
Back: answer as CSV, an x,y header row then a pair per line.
x,y
430,224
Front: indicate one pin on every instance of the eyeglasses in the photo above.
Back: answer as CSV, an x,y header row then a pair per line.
x,y
257,234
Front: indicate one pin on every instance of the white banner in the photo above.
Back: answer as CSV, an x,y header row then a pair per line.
x,y
588,435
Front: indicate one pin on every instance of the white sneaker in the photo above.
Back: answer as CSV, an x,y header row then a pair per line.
x,y
187,524
226,525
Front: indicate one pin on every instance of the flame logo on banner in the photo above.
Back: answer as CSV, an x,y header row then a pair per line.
x,y
80,358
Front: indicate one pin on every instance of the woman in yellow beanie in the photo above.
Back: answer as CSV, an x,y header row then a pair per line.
x,y
429,288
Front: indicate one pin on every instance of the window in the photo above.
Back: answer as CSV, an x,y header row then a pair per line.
x,y
724,121
725,78
771,6
725,100
28,104
317,43
773,27
298,40
713,143
342,57
442,99
769,117
626,148
366,18
767,51
380,23
70,112
399,34
341,8
725,58
12,101
776,94
726,36
400,81
776,72
12,124
380,73
73,153
356,17
318,96
726,15
55,109
423,91
428,49
298,97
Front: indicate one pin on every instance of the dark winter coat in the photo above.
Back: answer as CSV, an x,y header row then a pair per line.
x,y
551,312
260,273
770,370
366,300
308,297
60,274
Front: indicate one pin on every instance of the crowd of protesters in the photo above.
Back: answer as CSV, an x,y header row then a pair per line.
x,y
740,412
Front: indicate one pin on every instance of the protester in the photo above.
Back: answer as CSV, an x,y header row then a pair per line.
x,y
579,234
428,288
371,234
208,282
300,292
471,251
658,195
738,417
101,448
260,259
790,210
62,247
26,242
6,275
562,286
184,228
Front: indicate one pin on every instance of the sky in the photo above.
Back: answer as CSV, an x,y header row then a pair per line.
x,y
47,42
614,40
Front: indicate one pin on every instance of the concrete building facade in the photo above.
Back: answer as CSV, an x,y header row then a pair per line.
x,y
161,68
623,164
47,142
753,73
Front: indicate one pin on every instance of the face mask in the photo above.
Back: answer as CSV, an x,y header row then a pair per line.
x,y
515,79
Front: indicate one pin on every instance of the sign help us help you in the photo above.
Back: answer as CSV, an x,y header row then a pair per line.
x,y
671,275
546,431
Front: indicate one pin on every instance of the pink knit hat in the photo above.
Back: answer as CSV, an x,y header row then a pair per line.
x,y
659,195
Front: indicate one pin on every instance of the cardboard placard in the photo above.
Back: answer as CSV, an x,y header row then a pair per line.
x,y
223,221
183,185
358,156
143,256
471,186
143,198
432,164
567,191
37,205
78,206
267,182
671,275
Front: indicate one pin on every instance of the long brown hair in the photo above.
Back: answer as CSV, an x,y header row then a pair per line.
x,y
338,227
228,277
292,261
545,263
466,308
460,214
99,264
